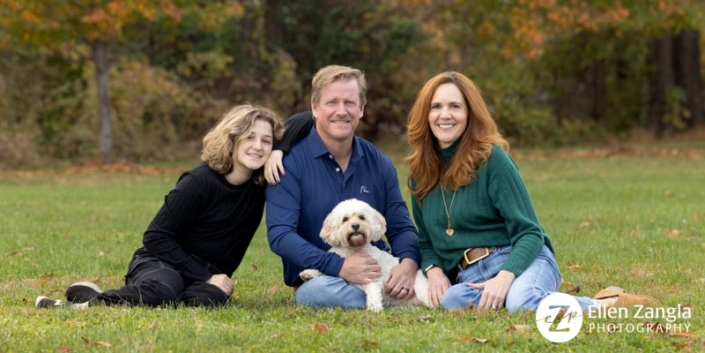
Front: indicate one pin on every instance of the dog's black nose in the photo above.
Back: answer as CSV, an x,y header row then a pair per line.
x,y
356,227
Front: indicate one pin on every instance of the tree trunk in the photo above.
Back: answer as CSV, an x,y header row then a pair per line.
x,y
688,74
663,81
99,51
599,91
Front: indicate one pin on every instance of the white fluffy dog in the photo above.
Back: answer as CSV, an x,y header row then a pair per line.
x,y
350,228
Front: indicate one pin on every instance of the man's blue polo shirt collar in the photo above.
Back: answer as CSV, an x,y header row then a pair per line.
x,y
318,149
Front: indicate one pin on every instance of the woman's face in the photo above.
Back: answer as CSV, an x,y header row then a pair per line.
x,y
448,116
254,146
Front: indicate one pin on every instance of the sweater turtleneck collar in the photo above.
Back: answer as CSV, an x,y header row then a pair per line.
x,y
448,152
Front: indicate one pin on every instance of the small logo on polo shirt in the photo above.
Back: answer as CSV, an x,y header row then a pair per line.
x,y
363,190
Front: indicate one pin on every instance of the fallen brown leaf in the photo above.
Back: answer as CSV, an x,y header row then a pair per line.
x,y
273,290
673,234
684,334
154,325
103,343
576,267
424,317
518,328
468,339
371,344
574,290
684,346
566,283
320,328
64,350
76,323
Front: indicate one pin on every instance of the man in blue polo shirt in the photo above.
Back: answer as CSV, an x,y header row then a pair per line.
x,y
331,165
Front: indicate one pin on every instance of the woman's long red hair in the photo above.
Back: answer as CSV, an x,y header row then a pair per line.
x,y
426,166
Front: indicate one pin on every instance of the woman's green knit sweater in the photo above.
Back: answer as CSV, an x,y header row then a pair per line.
x,y
494,210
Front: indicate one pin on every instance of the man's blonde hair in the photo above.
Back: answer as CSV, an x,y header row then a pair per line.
x,y
332,73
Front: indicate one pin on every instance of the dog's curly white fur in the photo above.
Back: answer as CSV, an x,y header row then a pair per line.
x,y
349,228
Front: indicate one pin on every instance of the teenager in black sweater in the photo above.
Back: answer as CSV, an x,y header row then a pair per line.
x,y
199,236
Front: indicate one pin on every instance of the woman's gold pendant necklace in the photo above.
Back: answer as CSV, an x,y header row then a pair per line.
x,y
449,229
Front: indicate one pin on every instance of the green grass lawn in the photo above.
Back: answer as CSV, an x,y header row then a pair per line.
x,y
636,222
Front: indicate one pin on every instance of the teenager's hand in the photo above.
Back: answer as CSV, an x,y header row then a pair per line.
x,y
438,284
274,167
223,282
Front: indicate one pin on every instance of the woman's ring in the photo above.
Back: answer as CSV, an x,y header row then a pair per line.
x,y
404,288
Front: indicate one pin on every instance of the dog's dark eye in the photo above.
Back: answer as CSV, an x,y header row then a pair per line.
x,y
362,218
345,219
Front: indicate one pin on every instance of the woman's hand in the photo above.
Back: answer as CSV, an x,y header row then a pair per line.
x,y
438,284
494,291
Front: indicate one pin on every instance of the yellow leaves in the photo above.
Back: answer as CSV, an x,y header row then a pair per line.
x,y
215,14
29,16
98,15
170,9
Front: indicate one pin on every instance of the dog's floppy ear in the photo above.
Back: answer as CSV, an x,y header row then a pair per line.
x,y
331,226
379,224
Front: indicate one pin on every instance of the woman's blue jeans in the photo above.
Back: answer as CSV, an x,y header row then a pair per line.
x,y
330,292
540,279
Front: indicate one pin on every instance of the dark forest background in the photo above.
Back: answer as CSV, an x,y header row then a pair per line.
x,y
144,80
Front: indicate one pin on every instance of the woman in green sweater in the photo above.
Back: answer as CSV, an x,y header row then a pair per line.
x,y
480,240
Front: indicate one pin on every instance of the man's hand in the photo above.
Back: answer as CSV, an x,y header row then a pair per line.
x,y
223,282
360,268
494,291
273,167
402,277
438,284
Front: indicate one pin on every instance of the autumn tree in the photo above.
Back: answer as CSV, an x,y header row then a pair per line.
x,y
104,27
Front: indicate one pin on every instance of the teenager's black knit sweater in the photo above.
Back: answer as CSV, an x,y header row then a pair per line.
x,y
205,220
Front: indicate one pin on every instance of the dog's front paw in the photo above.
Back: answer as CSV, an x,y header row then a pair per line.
x,y
376,307
310,274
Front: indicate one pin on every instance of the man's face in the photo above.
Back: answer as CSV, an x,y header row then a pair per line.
x,y
338,111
